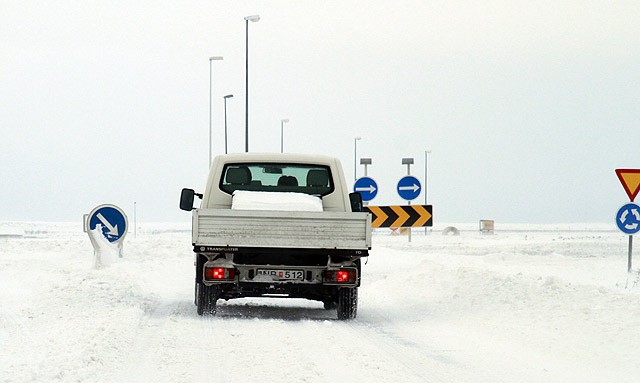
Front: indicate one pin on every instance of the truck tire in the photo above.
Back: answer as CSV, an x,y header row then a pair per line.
x,y
207,299
347,303
200,260
195,295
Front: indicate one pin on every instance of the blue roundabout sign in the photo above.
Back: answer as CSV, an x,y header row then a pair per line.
x,y
628,218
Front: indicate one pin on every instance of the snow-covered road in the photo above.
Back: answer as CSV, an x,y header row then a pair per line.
x,y
531,304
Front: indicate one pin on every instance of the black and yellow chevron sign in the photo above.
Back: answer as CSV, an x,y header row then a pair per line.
x,y
401,216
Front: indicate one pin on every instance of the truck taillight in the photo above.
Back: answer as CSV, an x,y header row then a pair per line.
x,y
219,273
340,276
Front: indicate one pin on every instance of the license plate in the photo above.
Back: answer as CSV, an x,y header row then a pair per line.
x,y
295,275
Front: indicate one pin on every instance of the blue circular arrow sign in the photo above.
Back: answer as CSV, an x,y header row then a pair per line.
x,y
409,188
112,220
367,187
628,218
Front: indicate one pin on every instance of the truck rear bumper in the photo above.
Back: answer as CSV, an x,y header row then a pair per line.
x,y
318,292
281,274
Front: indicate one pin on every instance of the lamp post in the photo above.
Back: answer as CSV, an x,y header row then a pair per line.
x,y
426,163
225,121
355,151
253,18
282,134
211,59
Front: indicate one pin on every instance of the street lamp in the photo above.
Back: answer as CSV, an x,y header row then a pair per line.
x,y
355,150
282,134
426,158
211,59
253,18
225,121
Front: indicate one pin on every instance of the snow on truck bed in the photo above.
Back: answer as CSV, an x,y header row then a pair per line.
x,y
251,200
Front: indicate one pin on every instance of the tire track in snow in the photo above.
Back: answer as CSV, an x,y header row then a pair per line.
x,y
14,327
210,355
426,363
390,348
141,366
380,331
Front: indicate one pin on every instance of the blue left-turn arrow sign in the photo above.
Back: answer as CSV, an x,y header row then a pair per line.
x,y
367,187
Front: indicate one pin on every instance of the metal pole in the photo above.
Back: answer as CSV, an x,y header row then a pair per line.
x,y
225,125
246,93
282,121
135,222
426,165
409,173
426,159
630,251
254,19
210,101
355,150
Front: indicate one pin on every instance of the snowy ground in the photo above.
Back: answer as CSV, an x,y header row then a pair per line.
x,y
548,303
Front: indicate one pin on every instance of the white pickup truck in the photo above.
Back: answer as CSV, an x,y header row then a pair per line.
x,y
278,225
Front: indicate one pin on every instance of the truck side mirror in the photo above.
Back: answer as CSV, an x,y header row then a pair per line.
x,y
356,201
186,199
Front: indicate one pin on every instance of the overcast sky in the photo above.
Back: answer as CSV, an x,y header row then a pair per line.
x,y
527,107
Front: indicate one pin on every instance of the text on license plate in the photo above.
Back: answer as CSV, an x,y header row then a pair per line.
x,y
282,274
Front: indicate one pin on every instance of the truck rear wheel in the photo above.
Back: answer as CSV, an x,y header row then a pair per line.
x,y
347,303
207,299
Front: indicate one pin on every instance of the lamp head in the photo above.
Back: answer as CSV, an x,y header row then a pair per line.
x,y
254,18
407,161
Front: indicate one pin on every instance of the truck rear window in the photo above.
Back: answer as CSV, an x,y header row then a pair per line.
x,y
297,178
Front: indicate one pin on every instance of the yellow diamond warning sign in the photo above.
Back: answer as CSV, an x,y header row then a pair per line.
x,y
630,179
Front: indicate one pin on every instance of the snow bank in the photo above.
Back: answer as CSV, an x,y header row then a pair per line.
x,y
250,200
11,232
530,304
106,252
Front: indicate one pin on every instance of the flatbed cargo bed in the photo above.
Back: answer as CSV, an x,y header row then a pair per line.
x,y
281,229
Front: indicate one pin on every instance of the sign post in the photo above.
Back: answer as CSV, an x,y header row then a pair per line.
x,y
409,186
628,217
365,162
